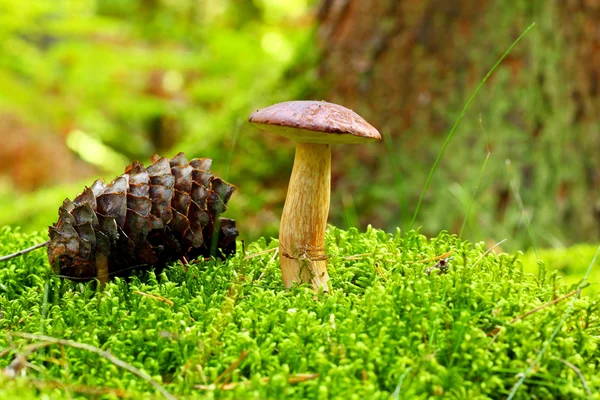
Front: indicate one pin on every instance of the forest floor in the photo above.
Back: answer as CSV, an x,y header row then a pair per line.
x,y
480,327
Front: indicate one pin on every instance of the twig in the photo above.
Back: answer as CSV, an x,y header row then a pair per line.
x,y
155,296
445,255
230,386
232,367
6,351
380,272
496,330
185,263
101,353
488,251
79,388
358,256
363,255
27,350
578,372
24,251
548,304
262,274
260,253
302,377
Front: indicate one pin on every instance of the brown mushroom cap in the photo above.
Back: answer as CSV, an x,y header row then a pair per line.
x,y
315,122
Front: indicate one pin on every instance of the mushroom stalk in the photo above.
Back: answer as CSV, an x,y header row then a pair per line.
x,y
304,219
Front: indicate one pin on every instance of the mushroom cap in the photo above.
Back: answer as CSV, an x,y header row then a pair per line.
x,y
315,122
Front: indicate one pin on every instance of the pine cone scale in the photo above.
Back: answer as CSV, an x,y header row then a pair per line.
x,y
139,204
108,226
183,178
86,197
84,214
137,227
147,215
113,204
161,204
86,233
139,189
181,201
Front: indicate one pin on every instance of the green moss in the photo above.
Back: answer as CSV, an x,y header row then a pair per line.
x,y
570,262
387,328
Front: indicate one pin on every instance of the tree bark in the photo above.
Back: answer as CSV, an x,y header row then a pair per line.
x,y
409,67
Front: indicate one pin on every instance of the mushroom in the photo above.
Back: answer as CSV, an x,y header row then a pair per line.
x,y
314,126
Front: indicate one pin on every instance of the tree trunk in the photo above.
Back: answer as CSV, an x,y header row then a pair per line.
x,y
410,66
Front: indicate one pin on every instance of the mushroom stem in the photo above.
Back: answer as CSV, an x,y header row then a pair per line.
x,y
304,219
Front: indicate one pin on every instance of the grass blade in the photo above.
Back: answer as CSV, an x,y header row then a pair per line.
x,y
105,354
462,114
524,215
479,178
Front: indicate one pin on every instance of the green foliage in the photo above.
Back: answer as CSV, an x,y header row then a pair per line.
x,y
122,80
387,328
571,263
38,209
525,114
538,110
110,69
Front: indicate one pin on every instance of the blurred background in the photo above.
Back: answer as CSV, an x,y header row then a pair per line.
x,y
87,86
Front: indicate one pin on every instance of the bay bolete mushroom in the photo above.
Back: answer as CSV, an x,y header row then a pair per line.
x,y
314,126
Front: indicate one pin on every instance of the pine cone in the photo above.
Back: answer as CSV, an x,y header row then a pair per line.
x,y
147,216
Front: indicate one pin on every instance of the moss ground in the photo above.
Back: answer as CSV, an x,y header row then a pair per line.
x,y
570,263
229,330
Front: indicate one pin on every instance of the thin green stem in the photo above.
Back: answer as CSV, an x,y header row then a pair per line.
x,y
515,189
487,157
105,354
398,183
458,121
